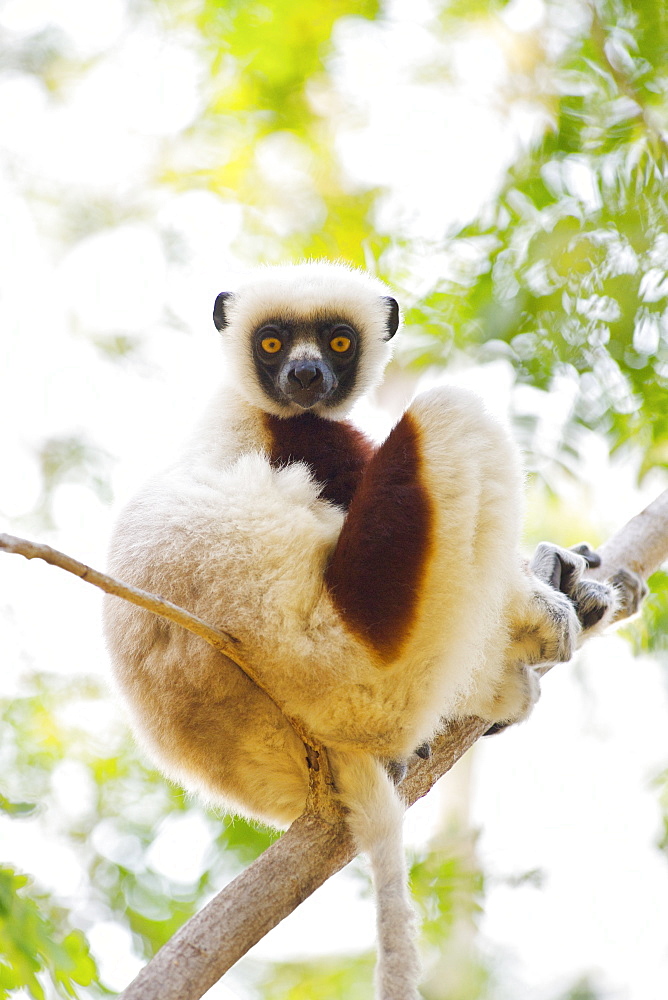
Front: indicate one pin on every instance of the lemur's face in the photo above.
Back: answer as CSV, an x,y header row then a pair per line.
x,y
307,337
307,362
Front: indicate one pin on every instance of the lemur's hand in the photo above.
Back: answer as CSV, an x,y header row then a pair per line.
x,y
595,603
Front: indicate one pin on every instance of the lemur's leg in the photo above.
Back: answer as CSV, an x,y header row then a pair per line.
x,y
432,527
426,566
377,567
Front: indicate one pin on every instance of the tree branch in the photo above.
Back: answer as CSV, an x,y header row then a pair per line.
x,y
640,546
317,844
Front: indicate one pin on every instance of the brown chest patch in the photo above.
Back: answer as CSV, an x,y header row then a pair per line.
x,y
336,452
377,569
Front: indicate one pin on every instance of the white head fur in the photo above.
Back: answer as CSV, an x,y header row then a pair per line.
x,y
302,293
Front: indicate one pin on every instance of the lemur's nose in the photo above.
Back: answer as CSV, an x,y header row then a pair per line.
x,y
307,373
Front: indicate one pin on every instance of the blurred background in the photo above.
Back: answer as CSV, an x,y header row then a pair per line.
x,y
503,166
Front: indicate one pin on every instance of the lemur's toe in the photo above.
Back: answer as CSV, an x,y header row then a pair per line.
x,y
592,600
584,549
397,770
631,590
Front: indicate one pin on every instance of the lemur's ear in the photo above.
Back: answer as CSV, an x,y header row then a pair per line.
x,y
219,310
392,316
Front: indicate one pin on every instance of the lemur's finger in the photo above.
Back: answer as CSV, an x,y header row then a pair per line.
x,y
592,558
561,568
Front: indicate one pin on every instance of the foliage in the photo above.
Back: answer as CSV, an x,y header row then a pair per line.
x,y
448,887
649,632
32,943
582,990
121,808
662,785
349,977
268,70
280,48
564,273
69,459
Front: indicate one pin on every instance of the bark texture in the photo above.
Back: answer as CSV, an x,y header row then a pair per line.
x,y
640,546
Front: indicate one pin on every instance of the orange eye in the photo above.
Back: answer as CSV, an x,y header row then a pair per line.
x,y
340,344
271,345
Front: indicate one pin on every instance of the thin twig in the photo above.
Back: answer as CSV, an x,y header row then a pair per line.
x,y
222,641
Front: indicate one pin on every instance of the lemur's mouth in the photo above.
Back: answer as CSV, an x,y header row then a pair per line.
x,y
305,399
307,382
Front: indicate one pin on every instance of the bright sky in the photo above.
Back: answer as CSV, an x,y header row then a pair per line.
x,y
568,793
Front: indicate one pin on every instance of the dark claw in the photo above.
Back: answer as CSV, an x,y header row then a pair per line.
x,y
424,751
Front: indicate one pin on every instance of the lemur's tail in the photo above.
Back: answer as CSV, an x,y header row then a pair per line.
x,y
376,820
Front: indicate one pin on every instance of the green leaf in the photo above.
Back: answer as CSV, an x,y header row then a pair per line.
x,y
649,632
31,944
17,809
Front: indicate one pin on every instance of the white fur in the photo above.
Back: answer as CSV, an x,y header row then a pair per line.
x,y
245,546
307,291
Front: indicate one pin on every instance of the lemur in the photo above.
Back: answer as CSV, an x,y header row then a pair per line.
x,y
375,590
